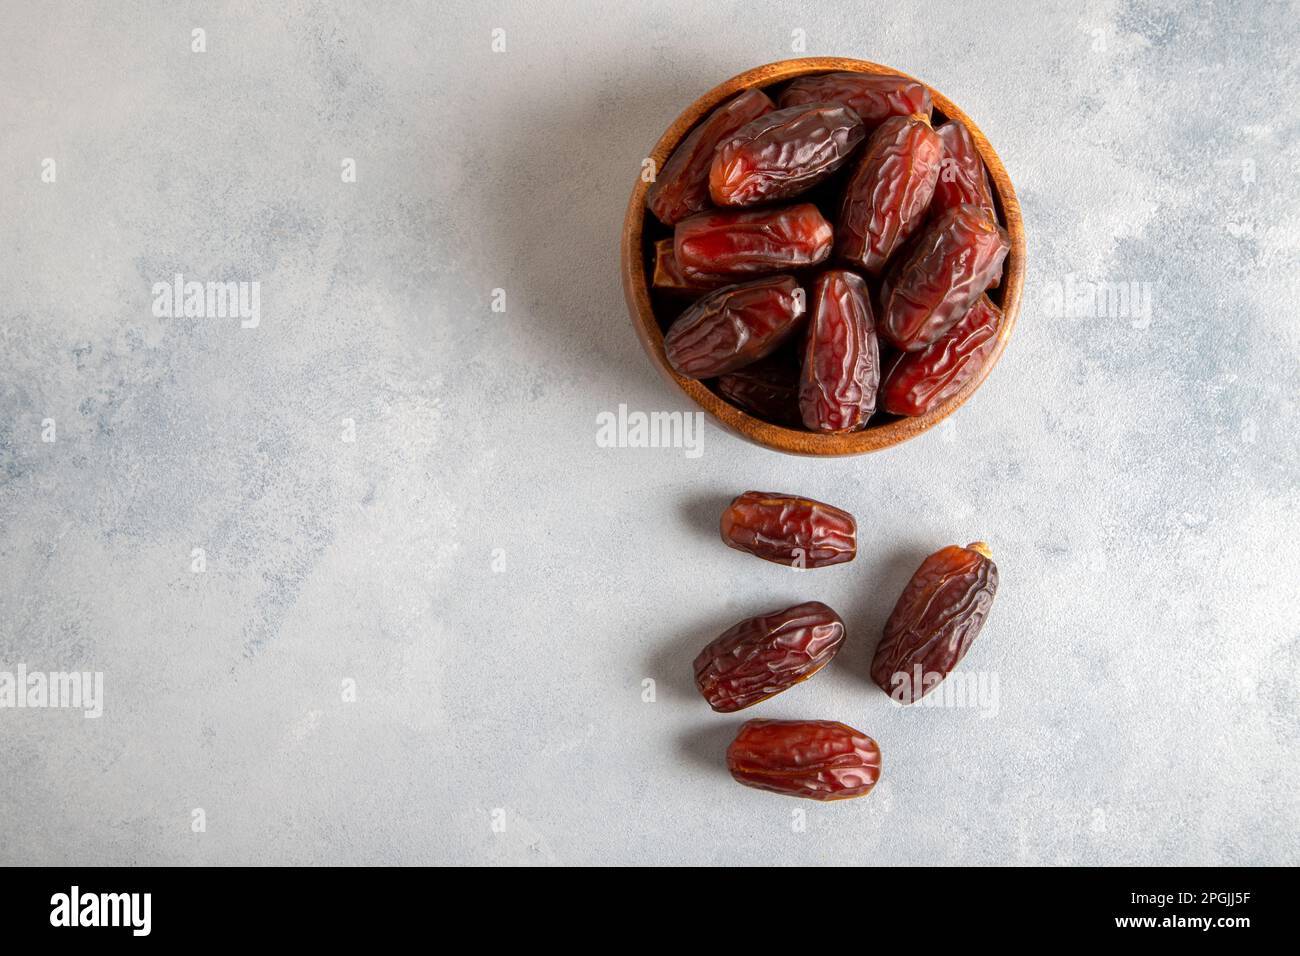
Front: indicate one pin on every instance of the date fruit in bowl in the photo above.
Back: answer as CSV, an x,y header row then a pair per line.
x,y
887,225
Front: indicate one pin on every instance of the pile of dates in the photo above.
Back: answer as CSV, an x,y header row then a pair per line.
x,y
933,624
838,249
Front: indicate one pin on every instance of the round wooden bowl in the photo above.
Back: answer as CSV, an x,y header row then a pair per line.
x,y
637,256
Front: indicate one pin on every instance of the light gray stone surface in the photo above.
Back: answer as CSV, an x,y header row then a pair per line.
x,y
496,584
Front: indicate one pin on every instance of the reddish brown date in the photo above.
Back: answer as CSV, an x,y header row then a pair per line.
x,y
668,275
946,271
887,198
963,180
875,97
841,364
817,759
741,244
784,153
734,326
785,529
921,381
935,620
762,656
768,389
681,188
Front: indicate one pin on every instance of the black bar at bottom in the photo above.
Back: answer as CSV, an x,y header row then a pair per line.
x,y
920,906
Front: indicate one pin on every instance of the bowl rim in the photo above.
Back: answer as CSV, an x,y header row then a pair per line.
x,y
636,281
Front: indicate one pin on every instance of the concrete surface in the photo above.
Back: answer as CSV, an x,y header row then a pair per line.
x,y
424,636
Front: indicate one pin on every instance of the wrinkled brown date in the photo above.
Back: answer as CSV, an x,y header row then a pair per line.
x,y
768,389
783,153
785,529
875,97
920,381
734,326
841,365
741,244
963,180
681,188
887,198
762,656
668,276
817,759
935,620
947,269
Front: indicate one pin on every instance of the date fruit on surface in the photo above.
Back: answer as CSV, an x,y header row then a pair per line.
x,y
841,365
681,188
817,759
762,656
887,198
734,326
875,97
781,154
768,389
963,180
668,276
785,529
935,620
742,244
921,381
947,269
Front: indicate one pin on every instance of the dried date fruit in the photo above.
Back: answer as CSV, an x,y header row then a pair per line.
x,y
768,389
785,529
921,381
887,197
762,656
817,759
734,326
947,269
741,244
841,365
783,153
668,276
682,187
935,620
963,180
875,97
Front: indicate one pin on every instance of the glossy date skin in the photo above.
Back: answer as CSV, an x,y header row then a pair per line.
x,y
783,153
887,197
950,265
682,187
734,326
768,389
936,619
762,656
963,180
921,381
816,759
789,530
841,365
668,275
874,97
739,244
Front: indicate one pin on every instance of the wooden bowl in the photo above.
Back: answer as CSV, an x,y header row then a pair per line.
x,y
637,256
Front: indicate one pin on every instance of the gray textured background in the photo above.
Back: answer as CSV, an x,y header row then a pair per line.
x,y
498,585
